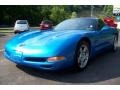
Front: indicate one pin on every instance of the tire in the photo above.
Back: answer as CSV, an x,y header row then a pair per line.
x,y
115,44
82,55
15,32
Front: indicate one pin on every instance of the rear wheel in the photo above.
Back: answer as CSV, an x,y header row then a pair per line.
x,y
115,44
16,32
82,55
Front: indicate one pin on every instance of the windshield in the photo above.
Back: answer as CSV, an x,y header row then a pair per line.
x,y
22,22
77,24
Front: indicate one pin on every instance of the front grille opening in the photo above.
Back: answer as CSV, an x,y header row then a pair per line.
x,y
35,59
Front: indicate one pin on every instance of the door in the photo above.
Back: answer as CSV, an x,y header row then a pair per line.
x,y
103,36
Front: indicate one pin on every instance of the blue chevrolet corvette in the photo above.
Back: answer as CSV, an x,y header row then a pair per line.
x,y
70,44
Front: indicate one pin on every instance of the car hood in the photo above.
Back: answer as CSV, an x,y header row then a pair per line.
x,y
34,41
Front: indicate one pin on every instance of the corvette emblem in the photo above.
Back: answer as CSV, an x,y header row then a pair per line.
x,y
22,44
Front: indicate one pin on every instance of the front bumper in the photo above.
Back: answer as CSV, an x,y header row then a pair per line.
x,y
18,58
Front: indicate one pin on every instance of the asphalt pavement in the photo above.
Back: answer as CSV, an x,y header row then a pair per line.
x,y
103,69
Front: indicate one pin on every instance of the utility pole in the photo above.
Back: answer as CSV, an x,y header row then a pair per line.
x,y
92,7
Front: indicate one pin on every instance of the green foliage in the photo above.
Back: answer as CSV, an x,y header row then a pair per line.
x,y
58,14
35,14
74,15
108,10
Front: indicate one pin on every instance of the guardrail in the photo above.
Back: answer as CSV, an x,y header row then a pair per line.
x,y
10,29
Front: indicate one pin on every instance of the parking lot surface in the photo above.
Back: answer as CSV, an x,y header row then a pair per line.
x,y
103,69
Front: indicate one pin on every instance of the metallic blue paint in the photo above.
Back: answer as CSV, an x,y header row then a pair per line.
x,y
33,48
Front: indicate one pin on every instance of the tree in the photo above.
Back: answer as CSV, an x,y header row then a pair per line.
x,y
108,9
58,14
74,15
36,13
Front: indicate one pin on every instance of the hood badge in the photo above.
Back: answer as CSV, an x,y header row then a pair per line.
x,y
22,44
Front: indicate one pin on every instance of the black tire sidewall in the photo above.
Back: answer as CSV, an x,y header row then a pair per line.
x,y
113,46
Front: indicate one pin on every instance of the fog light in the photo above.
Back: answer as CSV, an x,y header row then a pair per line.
x,y
52,59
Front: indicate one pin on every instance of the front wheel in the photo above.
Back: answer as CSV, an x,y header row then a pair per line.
x,y
83,55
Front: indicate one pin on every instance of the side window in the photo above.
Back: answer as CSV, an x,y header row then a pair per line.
x,y
92,24
100,24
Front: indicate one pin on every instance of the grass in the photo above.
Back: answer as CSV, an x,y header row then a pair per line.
x,y
6,30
